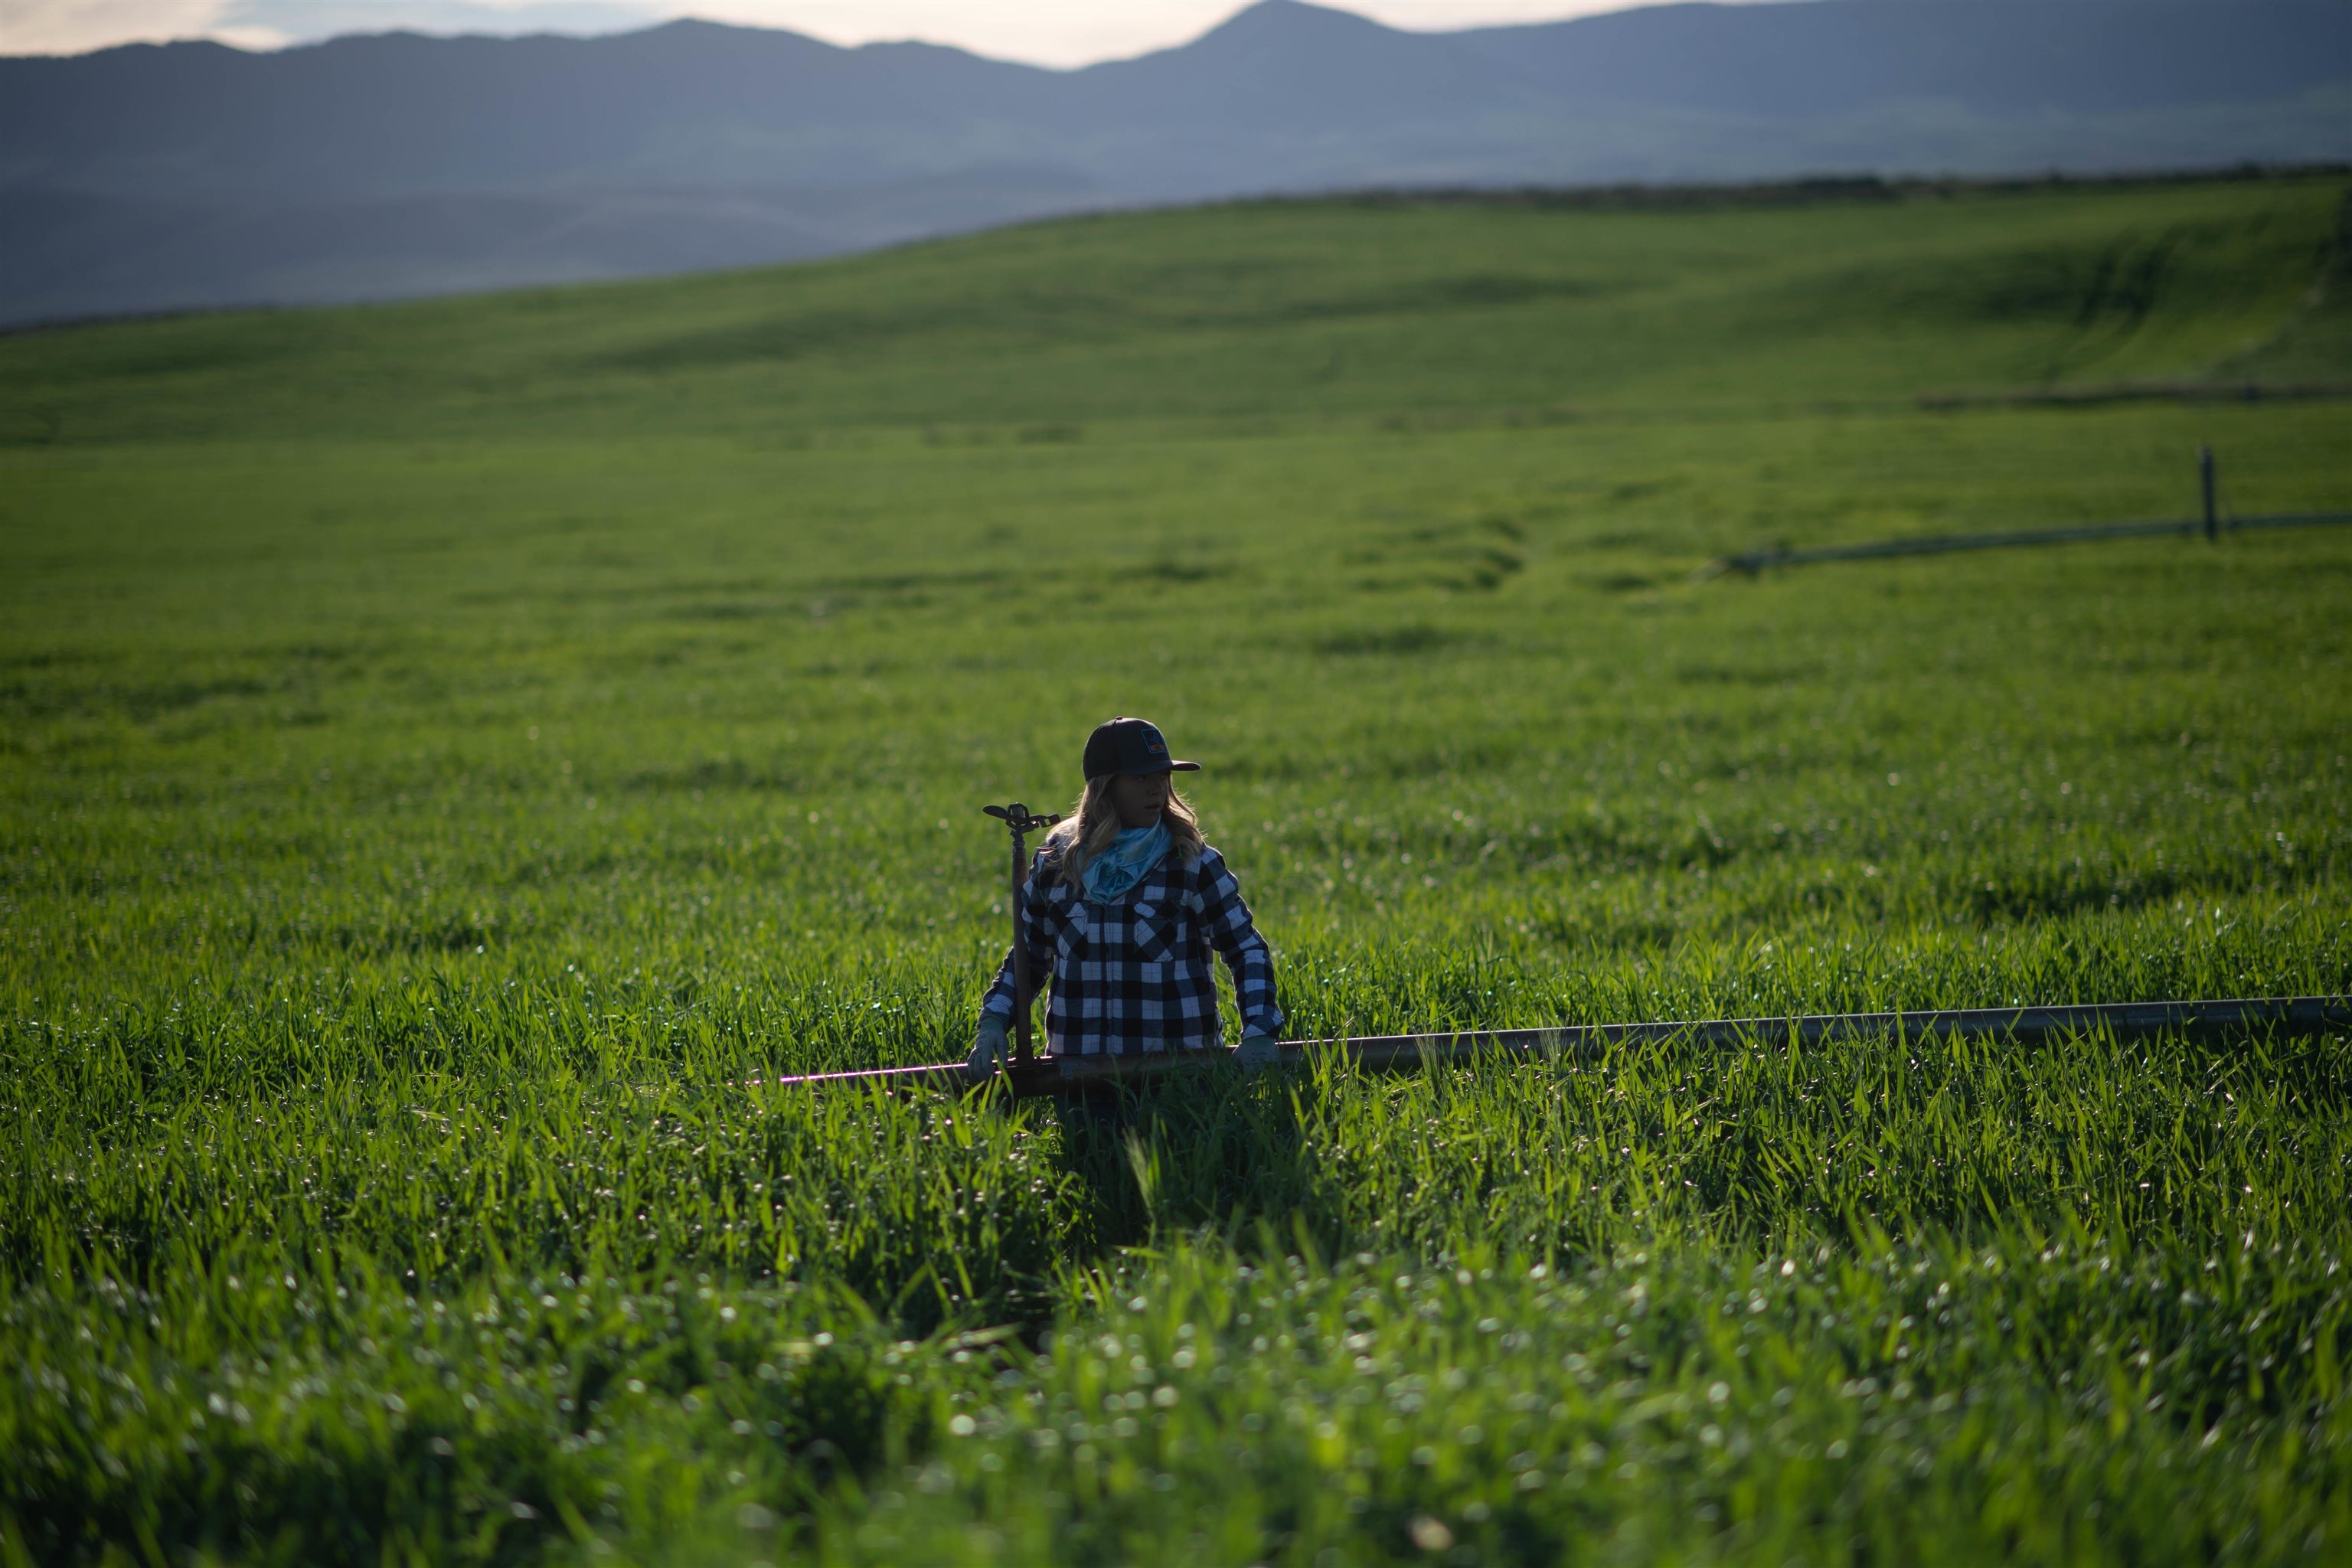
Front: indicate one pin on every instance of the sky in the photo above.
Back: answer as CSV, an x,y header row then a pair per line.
x,y
1042,32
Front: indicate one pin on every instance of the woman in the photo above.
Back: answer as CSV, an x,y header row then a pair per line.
x,y
1122,905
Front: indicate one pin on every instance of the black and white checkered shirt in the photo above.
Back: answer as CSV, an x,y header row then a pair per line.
x,y
1134,975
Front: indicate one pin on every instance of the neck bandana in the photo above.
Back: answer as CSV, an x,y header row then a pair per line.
x,y
1111,874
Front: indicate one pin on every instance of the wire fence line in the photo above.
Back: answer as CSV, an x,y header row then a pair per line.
x,y
1756,561
2214,522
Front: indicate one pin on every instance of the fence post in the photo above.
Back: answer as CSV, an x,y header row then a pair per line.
x,y
2205,477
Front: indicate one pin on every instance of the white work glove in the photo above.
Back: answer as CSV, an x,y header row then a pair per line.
x,y
1257,1050
991,1047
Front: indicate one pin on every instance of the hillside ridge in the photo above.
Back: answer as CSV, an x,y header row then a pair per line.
x,y
165,177
1382,310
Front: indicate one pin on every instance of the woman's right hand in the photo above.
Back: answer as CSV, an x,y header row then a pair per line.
x,y
991,1047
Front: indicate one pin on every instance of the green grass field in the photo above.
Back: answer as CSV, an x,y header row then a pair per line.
x,y
451,748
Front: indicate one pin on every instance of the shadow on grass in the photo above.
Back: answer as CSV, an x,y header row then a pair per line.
x,y
1213,1150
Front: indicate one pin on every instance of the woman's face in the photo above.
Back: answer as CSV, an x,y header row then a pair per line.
x,y
1138,798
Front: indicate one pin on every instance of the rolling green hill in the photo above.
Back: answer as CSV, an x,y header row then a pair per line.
x,y
1289,311
456,755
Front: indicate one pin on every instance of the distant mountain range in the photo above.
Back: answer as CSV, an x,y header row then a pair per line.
x,y
191,174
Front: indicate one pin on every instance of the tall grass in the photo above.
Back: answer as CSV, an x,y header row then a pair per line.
x,y
458,756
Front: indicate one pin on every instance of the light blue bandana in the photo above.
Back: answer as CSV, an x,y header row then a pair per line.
x,y
1111,874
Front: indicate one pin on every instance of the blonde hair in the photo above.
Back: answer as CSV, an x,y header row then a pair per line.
x,y
1093,826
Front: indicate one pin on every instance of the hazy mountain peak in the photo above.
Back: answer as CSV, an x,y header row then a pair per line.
x,y
1283,26
1294,17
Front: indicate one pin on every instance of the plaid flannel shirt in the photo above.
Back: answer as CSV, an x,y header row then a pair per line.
x,y
1135,976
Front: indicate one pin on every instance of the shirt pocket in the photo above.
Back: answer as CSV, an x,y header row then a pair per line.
x,y
1070,939
1153,930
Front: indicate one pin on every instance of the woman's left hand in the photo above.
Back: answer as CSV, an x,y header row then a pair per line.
x,y
1257,1050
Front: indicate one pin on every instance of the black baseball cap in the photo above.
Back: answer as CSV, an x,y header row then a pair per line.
x,y
1125,745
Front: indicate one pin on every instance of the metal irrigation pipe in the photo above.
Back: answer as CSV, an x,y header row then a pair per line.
x,y
1391,1053
1021,821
